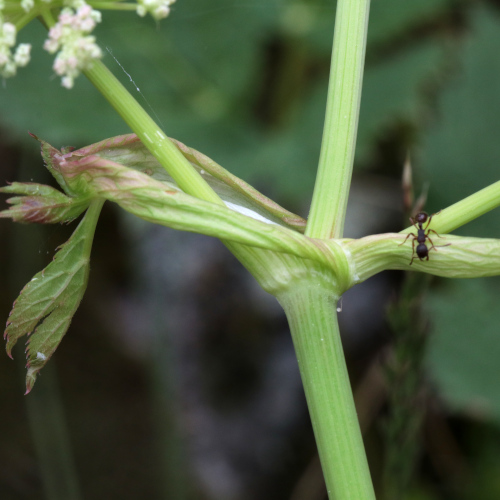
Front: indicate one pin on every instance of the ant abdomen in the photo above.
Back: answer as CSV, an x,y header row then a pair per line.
x,y
422,251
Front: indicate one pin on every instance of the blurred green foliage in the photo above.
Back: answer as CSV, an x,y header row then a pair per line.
x,y
464,350
460,153
245,83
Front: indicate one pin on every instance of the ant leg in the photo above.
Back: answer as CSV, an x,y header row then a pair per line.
x,y
407,236
435,232
430,241
429,220
412,251
428,224
434,246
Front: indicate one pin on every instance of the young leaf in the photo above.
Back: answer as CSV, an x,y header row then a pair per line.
x,y
129,151
164,203
52,297
42,204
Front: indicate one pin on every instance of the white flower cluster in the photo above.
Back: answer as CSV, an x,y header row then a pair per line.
x,y
9,62
159,9
27,5
76,49
70,37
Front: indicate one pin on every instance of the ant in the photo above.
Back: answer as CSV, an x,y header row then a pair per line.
x,y
422,236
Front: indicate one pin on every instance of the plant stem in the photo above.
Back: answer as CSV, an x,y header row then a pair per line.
x,y
152,136
311,312
404,373
465,210
326,218
113,6
52,441
160,146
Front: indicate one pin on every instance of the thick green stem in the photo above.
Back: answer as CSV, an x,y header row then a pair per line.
x,y
326,219
311,312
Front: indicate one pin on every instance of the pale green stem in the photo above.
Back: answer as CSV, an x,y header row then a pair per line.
x,y
327,215
151,135
92,217
465,210
311,313
160,146
52,441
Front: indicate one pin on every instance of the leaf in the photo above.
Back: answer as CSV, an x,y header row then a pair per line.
x,y
43,204
51,299
464,350
390,18
393,92
129,151
161,202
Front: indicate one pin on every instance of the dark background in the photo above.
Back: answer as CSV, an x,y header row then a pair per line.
x,y
177,378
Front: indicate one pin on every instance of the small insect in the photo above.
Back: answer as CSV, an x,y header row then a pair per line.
x,y
422,236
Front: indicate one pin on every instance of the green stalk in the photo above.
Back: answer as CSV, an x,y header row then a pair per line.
x,y
465,210
114,6
328,207
152,136
311,312
160,146
49,428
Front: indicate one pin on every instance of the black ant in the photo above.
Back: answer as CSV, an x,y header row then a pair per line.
x,y
422,236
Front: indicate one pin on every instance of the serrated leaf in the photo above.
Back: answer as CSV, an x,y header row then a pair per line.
x,y
51,299
42,204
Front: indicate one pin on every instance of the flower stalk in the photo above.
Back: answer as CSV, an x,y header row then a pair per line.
x,y
333,180
160,146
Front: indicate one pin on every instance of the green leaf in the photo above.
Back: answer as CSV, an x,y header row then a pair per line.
x,y
390,18
51,298
128,150
43,204
393,92
464,350
91,173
